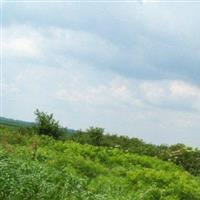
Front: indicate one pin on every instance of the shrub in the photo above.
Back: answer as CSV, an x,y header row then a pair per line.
x,y
47,125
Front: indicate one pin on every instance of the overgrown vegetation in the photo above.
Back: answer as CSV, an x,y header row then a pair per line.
x,y
40,163
186,157
40,167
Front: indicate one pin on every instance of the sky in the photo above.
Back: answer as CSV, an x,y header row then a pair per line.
x,y
130,67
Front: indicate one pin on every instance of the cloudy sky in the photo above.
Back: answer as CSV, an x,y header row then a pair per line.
x,y
130,67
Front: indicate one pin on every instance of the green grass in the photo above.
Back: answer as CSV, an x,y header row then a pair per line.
x,y
39,167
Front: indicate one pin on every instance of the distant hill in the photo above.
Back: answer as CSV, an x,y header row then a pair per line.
x,y
16,123
20,123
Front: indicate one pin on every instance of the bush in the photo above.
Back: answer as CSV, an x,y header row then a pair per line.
x,y
47,125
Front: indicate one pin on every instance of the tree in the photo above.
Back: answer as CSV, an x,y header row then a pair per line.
x,y
95,135
47,125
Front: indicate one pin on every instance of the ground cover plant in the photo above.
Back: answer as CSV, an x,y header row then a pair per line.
x,y
40,167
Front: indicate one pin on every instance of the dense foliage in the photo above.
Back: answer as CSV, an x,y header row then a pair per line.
x,y
186,157
39,167
47,125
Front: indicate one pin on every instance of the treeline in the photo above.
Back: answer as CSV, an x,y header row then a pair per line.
x,y
186,157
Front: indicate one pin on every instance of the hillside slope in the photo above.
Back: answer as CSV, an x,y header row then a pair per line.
x,y
15,123
39,167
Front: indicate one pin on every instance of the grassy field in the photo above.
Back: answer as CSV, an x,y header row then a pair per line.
x,y
39,167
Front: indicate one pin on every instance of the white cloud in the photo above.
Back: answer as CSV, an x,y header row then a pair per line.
x,y
22,42
184,90
81,43
152,91
53,42
115,93
171,94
